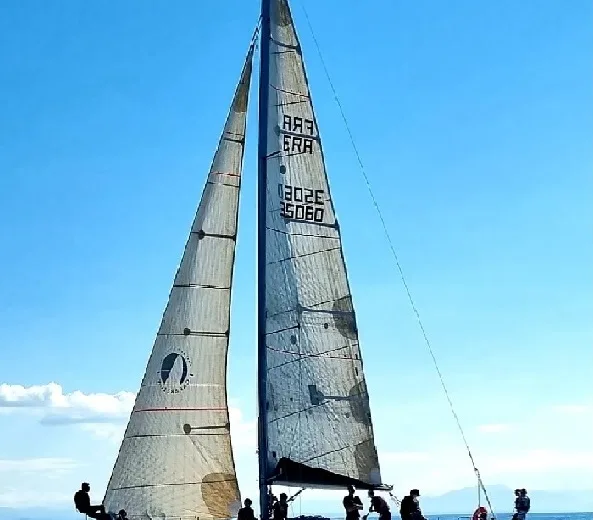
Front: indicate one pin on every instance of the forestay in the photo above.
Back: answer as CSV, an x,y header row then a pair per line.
x,y
176,460
320,432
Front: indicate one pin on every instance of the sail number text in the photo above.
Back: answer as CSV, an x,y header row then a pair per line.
x,y
296,139
298,203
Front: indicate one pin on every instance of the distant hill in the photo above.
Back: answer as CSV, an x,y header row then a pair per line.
x,y
37,513
463,501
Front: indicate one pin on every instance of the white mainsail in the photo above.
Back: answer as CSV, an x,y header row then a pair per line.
x,y
318,417
176,459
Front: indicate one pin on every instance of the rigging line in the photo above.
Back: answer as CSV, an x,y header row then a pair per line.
x,y
397,262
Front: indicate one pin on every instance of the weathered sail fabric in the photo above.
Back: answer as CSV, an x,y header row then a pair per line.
x,y
319,423
176,460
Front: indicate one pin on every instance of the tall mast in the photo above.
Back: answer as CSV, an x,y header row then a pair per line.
x,y
262,174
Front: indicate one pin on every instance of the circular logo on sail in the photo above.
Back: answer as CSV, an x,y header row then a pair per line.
x,y
175,373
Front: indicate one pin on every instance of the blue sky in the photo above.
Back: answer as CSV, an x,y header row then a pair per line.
x,y
474,121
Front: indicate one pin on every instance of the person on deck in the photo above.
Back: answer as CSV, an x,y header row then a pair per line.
x,y
352,504
378,505
246,513
522,503
410,507
82,501
280,509
517,493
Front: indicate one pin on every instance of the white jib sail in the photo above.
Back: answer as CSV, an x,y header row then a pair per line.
x,y
317,403
176,459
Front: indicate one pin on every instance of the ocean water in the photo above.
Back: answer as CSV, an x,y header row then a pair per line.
x,y
530,516
504,516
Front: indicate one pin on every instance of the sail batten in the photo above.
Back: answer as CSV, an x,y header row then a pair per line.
x,y
317,413
176,458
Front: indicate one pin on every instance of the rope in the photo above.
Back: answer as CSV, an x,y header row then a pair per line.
x,y
397,262
396,500
295,495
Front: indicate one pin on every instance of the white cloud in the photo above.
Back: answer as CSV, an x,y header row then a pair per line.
x,y
67,408
441,469
494,428
539,460
405,457
573,409
112,433
243,433
37,465
101,414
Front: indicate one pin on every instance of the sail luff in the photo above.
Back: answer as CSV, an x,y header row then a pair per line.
x,y
264,81
176,458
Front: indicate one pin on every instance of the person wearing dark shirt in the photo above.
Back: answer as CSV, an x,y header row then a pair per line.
x,y
82,501
280,509
352,504
522,503
246,513
378,505
410,508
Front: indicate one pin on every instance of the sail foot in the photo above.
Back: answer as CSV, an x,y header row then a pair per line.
x,y
291,473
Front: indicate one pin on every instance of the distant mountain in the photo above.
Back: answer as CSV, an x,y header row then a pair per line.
x,y
464,501
37,513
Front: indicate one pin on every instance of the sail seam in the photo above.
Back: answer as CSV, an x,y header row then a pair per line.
x,y
289,103
282,330
278,89
337,450
175,484
298,234
300,357
300,309
233,140
202,233
226,173
200,409
293,413
223,184
169,435
194,333
200,286
319,354
296,257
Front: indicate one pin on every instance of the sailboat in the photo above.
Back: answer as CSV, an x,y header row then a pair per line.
x,y
314,422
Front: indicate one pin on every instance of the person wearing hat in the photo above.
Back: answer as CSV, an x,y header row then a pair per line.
x,y
410,507
280,509
378,505
352,504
